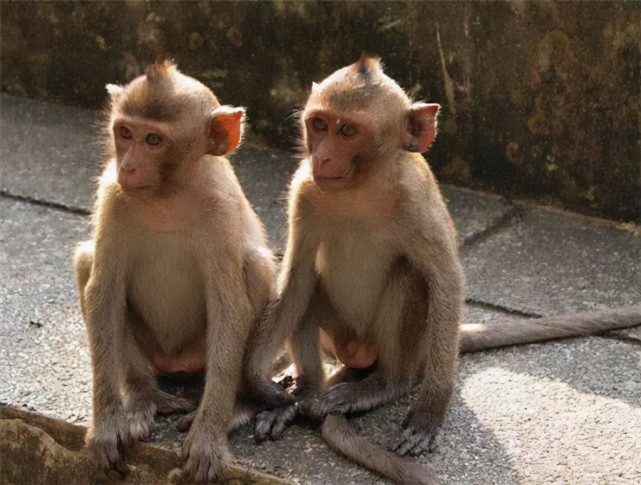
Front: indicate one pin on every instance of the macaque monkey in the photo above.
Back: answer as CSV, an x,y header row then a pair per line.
x,y
178,270
371,274
371,260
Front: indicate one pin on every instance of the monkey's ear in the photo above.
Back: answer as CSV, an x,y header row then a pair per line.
x,y
422,127
114,90
225,129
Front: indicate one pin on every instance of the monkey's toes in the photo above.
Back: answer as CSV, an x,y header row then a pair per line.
x,y
415,441
168,404
338,399
184,423
272,424
117,471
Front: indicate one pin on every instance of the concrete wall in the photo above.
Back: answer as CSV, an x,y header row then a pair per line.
x,y
541,99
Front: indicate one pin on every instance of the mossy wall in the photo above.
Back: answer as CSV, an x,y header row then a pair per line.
x,y
541,99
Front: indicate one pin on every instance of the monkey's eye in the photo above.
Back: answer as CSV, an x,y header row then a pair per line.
x,y
348,130
153,139
125,132
319,124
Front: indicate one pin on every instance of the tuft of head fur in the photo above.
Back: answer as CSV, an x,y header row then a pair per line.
x,y
160,70
367,64
163,93
361,86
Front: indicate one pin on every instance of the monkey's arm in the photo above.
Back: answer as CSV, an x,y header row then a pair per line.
x,y
229,320
477,337
281,319
434,255
104,302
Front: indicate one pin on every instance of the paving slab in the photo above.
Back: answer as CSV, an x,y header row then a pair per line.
x,y
552,262
44,359
475,213
565,412
49,152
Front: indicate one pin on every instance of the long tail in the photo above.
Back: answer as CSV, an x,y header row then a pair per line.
x,y
477,337
342,436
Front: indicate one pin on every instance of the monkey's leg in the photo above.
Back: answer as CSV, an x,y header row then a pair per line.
x,y
439,342
390,377
108,430
82,262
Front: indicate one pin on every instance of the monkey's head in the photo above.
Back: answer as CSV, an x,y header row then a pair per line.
x,y
162,122
359,117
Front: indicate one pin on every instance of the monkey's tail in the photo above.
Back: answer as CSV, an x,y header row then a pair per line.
x,y
342,436
479,337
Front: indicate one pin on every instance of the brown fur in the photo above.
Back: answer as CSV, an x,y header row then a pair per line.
x,y
372,258
371,255
177,272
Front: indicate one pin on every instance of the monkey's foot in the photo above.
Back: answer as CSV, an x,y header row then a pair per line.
x,y
105,439
272,424
417,437
204,454
347,397
143,406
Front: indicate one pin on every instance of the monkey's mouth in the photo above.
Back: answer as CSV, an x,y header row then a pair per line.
x,y
333,184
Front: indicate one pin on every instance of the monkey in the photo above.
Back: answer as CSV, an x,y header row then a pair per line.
x,y
371,259
370,274
177,272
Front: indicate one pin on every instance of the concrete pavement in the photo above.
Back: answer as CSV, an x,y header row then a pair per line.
x,y
560,412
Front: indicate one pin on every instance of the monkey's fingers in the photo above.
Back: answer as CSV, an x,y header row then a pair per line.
x,y
313,408
272,424
107,449
171,404
184,423
272,396
204,455
109,458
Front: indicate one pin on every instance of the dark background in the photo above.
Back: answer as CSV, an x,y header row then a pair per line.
x,y
541,99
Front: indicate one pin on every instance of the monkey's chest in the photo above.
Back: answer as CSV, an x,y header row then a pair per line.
x,y
166,294
353,271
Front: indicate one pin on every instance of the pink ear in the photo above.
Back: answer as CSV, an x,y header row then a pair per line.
x,y
226,129
422,117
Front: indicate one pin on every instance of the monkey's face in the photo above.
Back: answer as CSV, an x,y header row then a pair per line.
x,y
142,151
339,148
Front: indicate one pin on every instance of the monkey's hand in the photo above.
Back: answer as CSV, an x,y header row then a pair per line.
x,y
272,424
205,453
269,394
106,438
419,435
